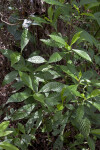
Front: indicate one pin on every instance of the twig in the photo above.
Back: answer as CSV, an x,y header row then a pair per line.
x,y
7,22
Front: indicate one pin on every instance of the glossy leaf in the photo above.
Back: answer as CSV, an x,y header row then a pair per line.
x,y
83,54
96,105
4,125
19,97
10,77
60,107
39,97
55,57
15,57
25,39
8,146
23,112
52,86
53,99
36,60
26,79
50,42
95,93
37,20
5,133
50,12
66,70
21,128
58,39
6,52
75,37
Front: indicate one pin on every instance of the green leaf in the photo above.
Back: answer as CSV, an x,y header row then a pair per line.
x,y
26,79
18,85
88,14
4,133
37,20
83,54
91,143
91,5
19,97
80,112
60,107
71,90
95,82
66,70
55,57
85,36
4,125
23,112
36,60
8,146
25,39
10,77
52,86
95,93
77,8
50,12
53,2
95,104
75,37
21,128
58,39
84,126
58,143
50,42
53,99
6,52
84,2
44,67
39,97
97,17
15,57
95,131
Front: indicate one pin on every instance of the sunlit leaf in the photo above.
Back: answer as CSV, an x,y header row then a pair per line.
x,y
8,146
4,125
95,131
19,97
83,54
75,37
23,112
52,86
58,39
55,57
25,38
36,60
5,133
26,79
10,77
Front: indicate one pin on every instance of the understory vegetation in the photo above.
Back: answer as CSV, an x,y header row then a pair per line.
x,y
53,51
